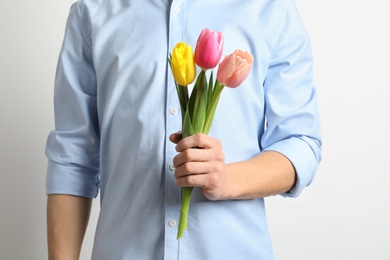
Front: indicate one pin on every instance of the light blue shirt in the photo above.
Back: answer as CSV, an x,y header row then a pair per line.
x,y
116,105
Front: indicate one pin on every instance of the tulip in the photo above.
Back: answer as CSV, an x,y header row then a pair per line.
x,y
234,68
199,108
208,49
183,64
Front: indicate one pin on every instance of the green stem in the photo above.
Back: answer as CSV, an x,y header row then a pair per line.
x,y
212,108
210,89
185,205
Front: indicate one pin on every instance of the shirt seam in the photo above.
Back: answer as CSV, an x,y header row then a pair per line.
x,y
82,17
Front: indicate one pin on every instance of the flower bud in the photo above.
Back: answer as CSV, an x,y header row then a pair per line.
x,y
183,64
234,68
208,49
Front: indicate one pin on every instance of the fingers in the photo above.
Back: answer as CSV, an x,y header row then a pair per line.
x,y
198,140
211,182
200,163
198,168
195,160
197,180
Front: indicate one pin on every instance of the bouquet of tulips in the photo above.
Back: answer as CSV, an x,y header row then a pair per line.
x,y
199,107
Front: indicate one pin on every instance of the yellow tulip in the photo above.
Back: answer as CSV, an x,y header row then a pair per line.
x,y
183,64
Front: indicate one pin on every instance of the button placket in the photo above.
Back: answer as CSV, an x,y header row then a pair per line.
x,y
173,124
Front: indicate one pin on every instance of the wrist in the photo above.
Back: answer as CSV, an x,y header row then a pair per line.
x,y
229,190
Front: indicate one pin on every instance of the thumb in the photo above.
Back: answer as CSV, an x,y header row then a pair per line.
x,y
175,137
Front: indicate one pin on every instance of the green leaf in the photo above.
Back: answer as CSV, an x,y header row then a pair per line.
x,y
191,103
212,107
182,98
182,92
200,109
187,128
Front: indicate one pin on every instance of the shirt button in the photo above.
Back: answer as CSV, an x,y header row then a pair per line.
x,y
172,223
171,167
173,111
177,9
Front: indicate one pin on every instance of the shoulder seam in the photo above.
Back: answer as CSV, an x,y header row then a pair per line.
x,y
83,18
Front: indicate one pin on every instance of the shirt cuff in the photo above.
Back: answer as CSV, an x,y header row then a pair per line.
x,y
71,180
303,158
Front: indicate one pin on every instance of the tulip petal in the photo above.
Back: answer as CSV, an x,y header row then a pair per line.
x,y
209,48
183,64
234,68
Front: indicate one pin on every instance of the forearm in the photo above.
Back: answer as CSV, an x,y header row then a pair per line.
x,y
67,220
267,174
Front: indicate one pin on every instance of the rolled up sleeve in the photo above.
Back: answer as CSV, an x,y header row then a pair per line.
x,y
72,147
293,125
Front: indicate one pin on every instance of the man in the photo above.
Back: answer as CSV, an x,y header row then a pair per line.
x,y
116,110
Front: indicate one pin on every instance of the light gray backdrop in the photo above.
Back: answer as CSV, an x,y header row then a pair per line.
x,y
344,214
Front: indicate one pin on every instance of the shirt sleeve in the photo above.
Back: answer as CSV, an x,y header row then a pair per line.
x,y
73,147
293,126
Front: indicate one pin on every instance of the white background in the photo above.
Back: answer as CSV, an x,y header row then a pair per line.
x,y
344,214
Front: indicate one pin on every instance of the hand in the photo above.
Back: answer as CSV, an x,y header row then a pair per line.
x,y
203,166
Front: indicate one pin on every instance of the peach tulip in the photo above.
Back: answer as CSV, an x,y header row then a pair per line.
x,y
234,68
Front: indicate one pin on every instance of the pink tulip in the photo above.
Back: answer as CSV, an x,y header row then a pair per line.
x,y
208,49
234,68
